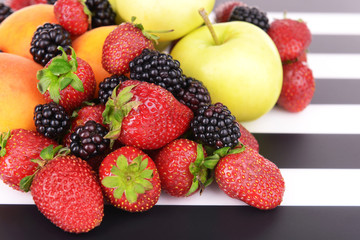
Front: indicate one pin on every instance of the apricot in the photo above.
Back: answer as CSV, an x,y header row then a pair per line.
x,y
17,30
18,92
88,46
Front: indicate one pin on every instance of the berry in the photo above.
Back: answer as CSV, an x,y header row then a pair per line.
x,y
298,87
101,13
51,120
122,45
130,179
181,167
145,115
88,140
107,86
248,176
223,11
251,15
73,15
17,148
17,4
67,192
247,139
194,94
159,68
5,11
67,80
214,126
291,38
46,40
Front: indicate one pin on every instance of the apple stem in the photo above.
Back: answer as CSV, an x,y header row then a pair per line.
x,y
205,16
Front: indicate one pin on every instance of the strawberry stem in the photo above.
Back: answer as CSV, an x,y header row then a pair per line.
x,y
207,21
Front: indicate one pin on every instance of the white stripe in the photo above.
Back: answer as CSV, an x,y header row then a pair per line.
x,y
334,66
315,118
304,187
325,23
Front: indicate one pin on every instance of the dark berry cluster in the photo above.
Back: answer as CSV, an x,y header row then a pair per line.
x,y
46,40
158,68
5,11
215,126
101,13
251,15
88,140
52,2
107,86
51,120
194,94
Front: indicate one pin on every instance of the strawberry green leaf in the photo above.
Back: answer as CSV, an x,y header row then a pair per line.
x,y
116,171
59,66
25,183
110,181
199,155
86,11
45,77
148,173
144,164
76,83
194,186
118,192
54,91
4,136
131,195
138,188
211,161
122,163
64,82
147,184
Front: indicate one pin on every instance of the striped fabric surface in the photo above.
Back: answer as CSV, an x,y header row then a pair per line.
x,y
316,150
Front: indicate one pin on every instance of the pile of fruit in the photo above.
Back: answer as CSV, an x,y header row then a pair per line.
x,y
94,112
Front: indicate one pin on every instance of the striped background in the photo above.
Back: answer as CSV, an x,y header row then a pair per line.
x,y
317,151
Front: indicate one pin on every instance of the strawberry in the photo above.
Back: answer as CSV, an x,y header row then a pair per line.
x,y
17,148
181,166
130,179
298,87
17,4
248,176
67,80
291,37
247,139
123,44
73,15
66,191
145,115
223,11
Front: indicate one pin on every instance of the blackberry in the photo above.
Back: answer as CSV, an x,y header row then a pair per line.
x,y
102,13
158,68
46,40
51,120
194,94
107,86
5,11
215,126
52,2
251,15
88,140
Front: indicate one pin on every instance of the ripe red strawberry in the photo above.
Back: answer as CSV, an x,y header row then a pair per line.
x,y
223,11
67,80
250,177
17,148
247,139
130,179
145,115
291,37
181,167
67,192
122,45
298,87
73,15
17,4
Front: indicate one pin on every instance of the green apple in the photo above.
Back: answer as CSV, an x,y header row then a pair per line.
x,y
243,70
181,16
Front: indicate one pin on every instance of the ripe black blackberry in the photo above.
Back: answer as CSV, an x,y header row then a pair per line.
x,y
158,68
46,40
107,86
215,126
88,140
5,11
194,94
102,13
52,2
51,120
252,15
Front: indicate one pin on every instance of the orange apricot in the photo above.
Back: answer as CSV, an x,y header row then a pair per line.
x,y
18,92
17,30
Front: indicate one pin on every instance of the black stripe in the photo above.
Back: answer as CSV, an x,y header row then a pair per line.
x,y
190,222
346,6
335,44
311,150
336,91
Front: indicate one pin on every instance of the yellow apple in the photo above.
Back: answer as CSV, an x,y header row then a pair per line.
x,y
181,16
243,71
